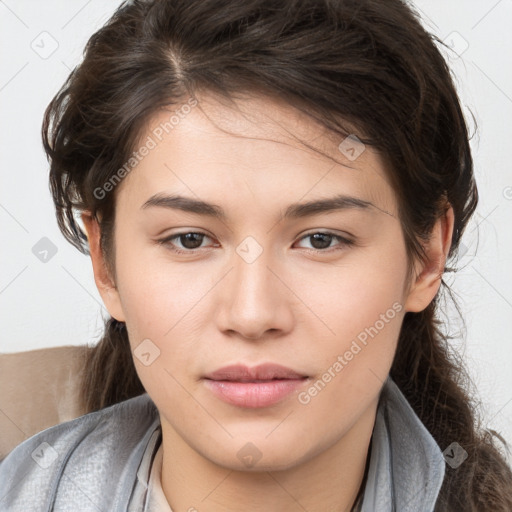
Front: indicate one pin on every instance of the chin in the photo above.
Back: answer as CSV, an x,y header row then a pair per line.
x,y
256,457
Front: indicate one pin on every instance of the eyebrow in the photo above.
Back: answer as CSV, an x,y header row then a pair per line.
x,y
293,211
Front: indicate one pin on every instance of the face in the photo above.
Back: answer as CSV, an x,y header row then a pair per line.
x,y
319,291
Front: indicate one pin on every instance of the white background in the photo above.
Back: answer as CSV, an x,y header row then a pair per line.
x,y
57,303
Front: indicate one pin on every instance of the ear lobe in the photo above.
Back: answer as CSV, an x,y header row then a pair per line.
x,y
104,282
428,281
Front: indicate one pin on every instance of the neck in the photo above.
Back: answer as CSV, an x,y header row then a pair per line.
x,y
331,480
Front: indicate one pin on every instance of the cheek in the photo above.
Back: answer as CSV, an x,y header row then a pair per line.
x,y
354,362
157,304
164,302
153,291
361,306
354,292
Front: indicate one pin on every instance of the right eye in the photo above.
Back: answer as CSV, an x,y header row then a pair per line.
x,y
190,241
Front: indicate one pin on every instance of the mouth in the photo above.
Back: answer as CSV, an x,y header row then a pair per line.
x,y
260,386
262,372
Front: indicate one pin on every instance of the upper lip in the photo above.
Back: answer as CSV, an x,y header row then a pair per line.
x,y
240,372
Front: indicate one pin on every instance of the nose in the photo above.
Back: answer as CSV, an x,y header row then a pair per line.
x,y
253,302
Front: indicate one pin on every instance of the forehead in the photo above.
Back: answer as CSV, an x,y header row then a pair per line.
x,y
258,142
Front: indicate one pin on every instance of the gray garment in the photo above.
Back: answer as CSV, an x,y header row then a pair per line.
x,y
101,461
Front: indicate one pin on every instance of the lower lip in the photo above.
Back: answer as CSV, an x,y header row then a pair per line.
x,y
253,394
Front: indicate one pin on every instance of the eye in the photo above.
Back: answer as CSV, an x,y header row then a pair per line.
x,y
190,241
321,240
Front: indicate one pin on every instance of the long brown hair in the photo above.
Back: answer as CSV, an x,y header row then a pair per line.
x,y
368,63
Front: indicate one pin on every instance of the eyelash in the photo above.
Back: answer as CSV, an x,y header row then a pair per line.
x,y
344,242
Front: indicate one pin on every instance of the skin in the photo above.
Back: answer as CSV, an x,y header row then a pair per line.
x,y
294,305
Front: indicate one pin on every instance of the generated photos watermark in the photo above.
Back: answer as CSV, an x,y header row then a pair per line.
x,y
343,360
150,143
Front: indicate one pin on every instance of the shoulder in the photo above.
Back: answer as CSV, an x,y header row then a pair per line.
x,y
103,446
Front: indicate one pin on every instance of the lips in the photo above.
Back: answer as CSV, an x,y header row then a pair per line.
x,y
260,386
263,372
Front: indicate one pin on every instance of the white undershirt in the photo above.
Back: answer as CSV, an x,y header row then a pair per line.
x,y
157,502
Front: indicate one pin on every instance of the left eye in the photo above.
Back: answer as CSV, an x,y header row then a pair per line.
x,y
322,240
191,241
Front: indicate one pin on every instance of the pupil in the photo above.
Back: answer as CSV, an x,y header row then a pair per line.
x,y
191,240
323,238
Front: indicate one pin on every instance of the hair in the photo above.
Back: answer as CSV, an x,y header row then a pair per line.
x,y
365,64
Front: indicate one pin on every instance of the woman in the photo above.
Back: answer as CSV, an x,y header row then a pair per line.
x,y
270,193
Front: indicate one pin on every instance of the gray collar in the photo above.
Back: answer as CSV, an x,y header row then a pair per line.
x,y
407,466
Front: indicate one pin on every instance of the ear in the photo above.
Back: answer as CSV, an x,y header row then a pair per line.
x,y
428,275
104,282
